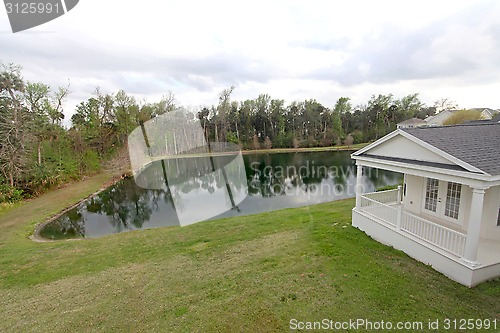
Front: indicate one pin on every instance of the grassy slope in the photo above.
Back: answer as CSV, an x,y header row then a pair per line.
x,y
252,273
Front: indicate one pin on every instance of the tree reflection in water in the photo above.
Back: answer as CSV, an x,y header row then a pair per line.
x,y
274,181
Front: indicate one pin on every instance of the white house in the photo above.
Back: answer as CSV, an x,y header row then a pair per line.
x,y
486,113
447,213
413,122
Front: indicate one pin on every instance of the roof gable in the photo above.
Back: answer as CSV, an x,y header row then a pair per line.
x,y
475,144
474,147
399,145
402,147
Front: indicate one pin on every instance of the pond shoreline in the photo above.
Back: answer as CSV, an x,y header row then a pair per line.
x,y
309,179
305,150
259,151
36,237
125,173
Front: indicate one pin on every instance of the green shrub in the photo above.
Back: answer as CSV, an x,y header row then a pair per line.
x,y
231,137
357,136
10,194
90,162
462,116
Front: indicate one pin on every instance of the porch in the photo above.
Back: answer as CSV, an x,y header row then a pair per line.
x,y
382,216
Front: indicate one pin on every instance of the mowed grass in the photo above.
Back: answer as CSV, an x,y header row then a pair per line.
x,y
245,274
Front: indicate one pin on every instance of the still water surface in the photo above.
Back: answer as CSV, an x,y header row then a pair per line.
x,y
269,182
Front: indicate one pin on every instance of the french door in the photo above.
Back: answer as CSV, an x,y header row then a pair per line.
x,y
442,199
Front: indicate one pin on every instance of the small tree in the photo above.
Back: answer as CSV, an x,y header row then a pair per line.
x,y
255,142
267,143
338,142
231,137
357,136
326,142
348,140
459,117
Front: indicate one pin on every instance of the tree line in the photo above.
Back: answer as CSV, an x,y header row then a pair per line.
x,y
38,152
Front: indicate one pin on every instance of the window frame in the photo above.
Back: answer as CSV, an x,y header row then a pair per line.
x,y
442,194
498,216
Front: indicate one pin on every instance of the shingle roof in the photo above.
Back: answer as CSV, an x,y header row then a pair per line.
x,y
417,162
475,144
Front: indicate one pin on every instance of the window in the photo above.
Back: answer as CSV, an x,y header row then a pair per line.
x,y
431,194
452,200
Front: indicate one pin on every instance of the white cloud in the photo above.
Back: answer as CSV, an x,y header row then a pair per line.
x,y
288,49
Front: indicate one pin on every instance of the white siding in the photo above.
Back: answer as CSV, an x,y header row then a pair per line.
x,y
439,118
443,262
489,228
412,201
465,203
401,147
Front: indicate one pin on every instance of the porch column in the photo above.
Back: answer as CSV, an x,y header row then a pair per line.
x,y
359,186
474,226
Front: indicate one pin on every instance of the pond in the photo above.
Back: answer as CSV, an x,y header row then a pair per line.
x,y
193,193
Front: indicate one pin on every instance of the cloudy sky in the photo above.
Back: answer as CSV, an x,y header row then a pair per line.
x,y
292,50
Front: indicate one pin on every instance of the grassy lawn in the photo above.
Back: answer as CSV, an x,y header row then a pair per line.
x,y
246,274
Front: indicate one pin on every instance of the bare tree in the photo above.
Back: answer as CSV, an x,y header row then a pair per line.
x,y
56,112
13,122
444,104
166,104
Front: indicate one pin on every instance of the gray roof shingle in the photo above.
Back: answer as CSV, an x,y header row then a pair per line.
x,y
475,144
417,162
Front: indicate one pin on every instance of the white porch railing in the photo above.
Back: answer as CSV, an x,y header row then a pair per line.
x,y
385,207
379,210
385,197
438,235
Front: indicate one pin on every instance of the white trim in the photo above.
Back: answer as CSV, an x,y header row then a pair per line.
x,y
461,218
424,197
441,203
424,171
